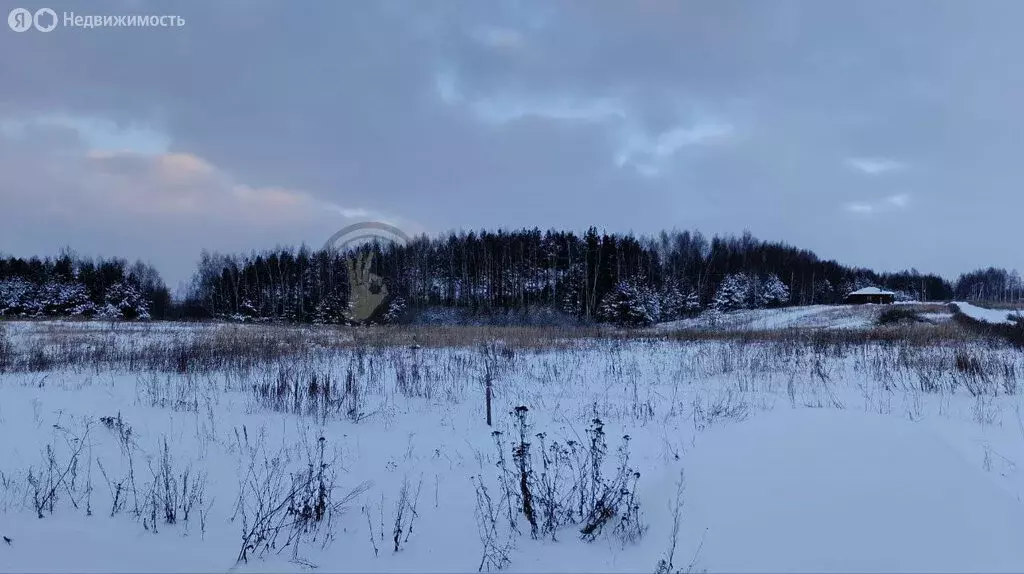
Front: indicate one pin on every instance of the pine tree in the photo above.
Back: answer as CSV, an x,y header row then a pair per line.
x,y
123,301
824,292
692,304
396,307
15,295
673,302
774,292
331,310
732,293
629,305
755,293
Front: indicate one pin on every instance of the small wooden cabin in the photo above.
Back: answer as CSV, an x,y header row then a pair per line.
x,y
871,295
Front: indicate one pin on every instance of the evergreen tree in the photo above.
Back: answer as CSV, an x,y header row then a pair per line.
x,y
692,304
673,302
732,293
629,305
124,301
774,292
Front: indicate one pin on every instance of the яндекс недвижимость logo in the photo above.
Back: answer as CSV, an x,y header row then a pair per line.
x,y
20,19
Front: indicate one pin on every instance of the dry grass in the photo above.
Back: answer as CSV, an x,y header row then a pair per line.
x,y
927,307
168,347
1014,334
916,334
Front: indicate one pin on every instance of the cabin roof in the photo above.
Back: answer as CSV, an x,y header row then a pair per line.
x,y
872,291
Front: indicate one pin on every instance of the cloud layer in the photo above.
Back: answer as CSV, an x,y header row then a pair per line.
x,y
844,128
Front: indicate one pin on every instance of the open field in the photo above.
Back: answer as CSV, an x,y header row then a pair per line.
x,y
755,443
805,317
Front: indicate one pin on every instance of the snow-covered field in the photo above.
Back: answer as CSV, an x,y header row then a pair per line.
x,y
761,456
995,316
805,317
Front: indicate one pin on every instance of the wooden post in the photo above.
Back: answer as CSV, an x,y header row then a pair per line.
x,y
488,399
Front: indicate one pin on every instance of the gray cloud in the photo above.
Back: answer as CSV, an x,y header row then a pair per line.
x,y
881,134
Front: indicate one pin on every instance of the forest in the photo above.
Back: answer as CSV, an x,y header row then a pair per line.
x,y
593,277
73,286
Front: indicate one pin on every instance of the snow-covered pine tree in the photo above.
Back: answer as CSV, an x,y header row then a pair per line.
x,y
396,306
673,302
67,299
692,304
905,296
732,293
331,310
32,303
774,292
845,288
650,300
123,301
860,282
755,296
629,304
247,310
15,294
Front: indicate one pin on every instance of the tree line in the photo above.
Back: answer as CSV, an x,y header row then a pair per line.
x,y
73,286
590,277
594,276
995,285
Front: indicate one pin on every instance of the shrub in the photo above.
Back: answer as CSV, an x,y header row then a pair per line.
x,y
280,507
895,315
571,487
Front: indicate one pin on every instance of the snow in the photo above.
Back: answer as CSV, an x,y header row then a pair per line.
x,y
744,290
863,458
995,316
808,316
872,291
826,491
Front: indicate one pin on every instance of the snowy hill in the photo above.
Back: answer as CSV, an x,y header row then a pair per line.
x,y
994,316
805,317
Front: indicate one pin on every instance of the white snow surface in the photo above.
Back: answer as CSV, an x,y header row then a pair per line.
x,y
826,491
872,291
807,316
994,316
794,460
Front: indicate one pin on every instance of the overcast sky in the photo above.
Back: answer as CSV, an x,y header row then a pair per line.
x,y
881,134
